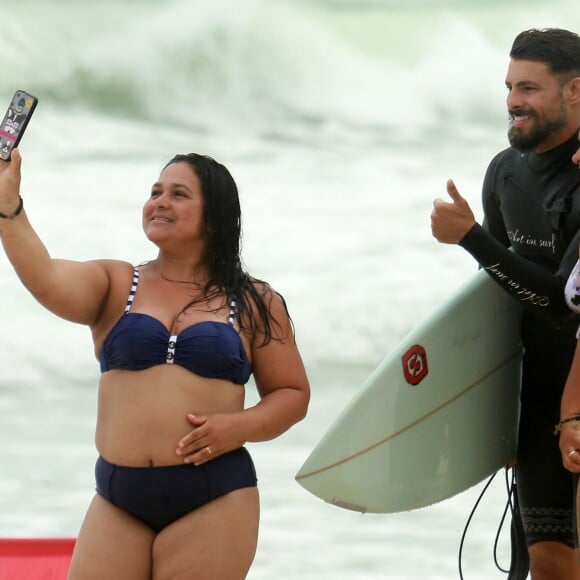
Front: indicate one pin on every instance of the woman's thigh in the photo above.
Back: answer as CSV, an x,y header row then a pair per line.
x,y
217,540
111,544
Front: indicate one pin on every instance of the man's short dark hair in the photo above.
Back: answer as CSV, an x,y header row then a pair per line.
x,y
559,49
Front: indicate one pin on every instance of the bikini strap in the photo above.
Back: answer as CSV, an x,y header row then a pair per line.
x,y
233,312
133,290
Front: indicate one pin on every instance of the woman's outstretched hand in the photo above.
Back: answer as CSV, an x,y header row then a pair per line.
x,y
10,183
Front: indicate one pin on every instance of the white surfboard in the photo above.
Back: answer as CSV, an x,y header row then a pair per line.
x,y
437,416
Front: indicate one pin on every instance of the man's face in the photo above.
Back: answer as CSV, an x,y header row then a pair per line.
x,y
536,105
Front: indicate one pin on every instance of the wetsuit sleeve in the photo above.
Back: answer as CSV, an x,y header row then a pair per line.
x,y
537,288
534,286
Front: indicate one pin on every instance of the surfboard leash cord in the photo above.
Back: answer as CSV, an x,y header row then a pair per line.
x,y
519,564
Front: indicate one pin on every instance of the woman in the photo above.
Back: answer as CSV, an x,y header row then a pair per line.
x,y
569,424
177,338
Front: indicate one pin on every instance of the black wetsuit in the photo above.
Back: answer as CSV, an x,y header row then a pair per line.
x,y
532,203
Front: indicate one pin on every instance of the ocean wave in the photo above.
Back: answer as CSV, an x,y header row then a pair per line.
x,y
313,68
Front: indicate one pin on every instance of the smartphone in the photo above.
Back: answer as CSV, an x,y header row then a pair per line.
x,y
15,120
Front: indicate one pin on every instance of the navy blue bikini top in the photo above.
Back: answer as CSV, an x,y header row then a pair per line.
x,y
210,349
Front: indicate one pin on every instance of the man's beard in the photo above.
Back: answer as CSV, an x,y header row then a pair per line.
x,y
540,131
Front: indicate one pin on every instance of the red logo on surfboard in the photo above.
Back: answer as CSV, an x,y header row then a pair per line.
x,y
415,364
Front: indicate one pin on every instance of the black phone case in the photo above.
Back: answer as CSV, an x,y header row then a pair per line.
x,y
15,121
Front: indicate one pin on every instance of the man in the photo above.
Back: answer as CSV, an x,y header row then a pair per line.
x,y
531,202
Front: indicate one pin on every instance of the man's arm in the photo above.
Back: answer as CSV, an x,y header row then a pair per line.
x,y
538,289
535,287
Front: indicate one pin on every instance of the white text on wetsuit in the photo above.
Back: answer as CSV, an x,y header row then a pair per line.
x,y
522,292
527,240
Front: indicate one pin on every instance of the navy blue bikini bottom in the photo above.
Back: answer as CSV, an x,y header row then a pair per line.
x,y
158,496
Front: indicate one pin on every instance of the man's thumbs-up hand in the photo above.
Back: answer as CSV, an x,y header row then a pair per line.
x,y
450,221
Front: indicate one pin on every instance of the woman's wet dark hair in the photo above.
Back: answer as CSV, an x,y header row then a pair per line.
x,y
222,231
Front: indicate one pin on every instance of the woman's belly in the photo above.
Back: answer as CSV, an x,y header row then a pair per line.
x,y
142,414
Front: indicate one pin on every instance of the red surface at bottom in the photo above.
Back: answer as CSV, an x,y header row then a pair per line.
x,y
35,558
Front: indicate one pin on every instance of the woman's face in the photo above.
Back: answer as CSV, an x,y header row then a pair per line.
x,y
174,211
